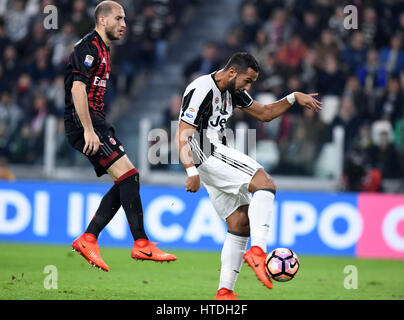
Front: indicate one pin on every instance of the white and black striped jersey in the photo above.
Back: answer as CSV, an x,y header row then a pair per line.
x,y
207,108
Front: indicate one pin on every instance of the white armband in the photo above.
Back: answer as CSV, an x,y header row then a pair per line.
x,y
291,98
192,171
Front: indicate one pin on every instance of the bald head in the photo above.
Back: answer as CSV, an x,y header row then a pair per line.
x,y
110,20
105,8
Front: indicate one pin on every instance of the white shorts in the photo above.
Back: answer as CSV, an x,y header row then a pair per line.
x,y
227,174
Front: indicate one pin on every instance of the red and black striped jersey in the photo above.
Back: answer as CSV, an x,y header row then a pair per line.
x,y
90,63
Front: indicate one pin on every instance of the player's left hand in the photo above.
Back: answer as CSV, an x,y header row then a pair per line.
x,y
193,183
308,101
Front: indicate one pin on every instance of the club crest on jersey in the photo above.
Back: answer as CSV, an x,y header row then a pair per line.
x,y
217,100
89,60
103,61
121,148
112,141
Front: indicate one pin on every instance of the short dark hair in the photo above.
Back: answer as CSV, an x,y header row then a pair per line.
x,y
103,8
242,61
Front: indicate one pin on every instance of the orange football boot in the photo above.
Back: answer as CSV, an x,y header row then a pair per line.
x,y
143,249
86,245
255,258
225,294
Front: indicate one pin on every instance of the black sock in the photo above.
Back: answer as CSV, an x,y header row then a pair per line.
x,y
131,203
109,206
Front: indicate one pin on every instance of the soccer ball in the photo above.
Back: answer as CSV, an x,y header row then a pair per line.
x,y
282,264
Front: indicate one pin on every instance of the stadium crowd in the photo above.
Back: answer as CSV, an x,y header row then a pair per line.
x,y
359,74
33,61
300,45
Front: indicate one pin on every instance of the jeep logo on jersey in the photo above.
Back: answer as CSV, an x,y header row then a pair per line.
x,y
218,122
100,82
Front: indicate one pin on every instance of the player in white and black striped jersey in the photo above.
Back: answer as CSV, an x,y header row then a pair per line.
x,y
229,175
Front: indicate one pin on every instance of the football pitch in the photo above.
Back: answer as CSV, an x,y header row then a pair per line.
x,y
194,276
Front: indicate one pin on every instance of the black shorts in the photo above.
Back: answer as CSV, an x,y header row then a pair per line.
x,y
107,155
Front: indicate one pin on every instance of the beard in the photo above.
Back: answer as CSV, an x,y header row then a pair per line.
x,y
110,34
231,86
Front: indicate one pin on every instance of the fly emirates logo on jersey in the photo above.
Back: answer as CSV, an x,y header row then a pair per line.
x,y
100,82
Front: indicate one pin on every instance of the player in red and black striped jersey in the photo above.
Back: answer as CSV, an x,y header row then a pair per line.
x,y
89,63
88,131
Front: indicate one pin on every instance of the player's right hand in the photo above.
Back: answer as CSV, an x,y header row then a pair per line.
x,y
193,183
92,143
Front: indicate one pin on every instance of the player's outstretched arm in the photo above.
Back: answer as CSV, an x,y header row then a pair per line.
x,y
268,112
185,131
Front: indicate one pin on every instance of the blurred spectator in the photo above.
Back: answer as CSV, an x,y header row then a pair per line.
x,y
309,70
11,64
336,23
5,172
4,84
364,107
391,104
294,83
372,74
82,21
17,21
249,22
384,157
56,97
260,47
331,79
37,39
291,54
24,92
392,57
206,63
233,43
41,68
310,29
355,54
36,118
10,113
172,111
270,78
4,40
348,119
279,28
298,153
327,44
372,30
61,43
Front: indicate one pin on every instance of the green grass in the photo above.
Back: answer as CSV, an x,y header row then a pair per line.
x,y
193,276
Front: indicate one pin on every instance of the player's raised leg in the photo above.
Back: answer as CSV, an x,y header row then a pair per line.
x,y
126,177
233,249
259,213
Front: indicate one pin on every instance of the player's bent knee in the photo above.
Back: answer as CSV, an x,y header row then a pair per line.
x,y
262,180
238,223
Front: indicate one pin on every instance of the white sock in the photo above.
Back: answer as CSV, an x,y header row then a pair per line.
x,y
259,214
232,259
